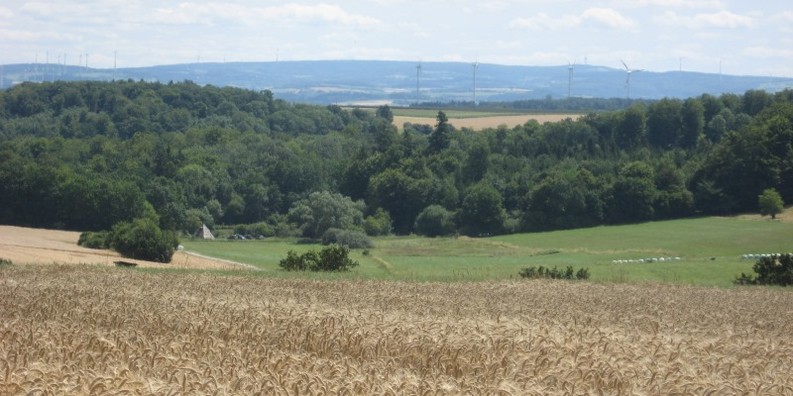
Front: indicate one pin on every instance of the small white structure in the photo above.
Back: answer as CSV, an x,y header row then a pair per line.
x,y
204,232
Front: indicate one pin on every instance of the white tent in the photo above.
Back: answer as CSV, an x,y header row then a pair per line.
x,y
204,232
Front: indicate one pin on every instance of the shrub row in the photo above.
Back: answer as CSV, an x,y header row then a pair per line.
x,y
348,238
333,258
140,239
769,271
554,273
95,240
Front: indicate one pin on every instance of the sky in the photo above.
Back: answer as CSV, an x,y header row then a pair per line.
x,y
740,37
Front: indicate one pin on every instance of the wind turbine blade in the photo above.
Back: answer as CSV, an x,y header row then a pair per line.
x,y
626,66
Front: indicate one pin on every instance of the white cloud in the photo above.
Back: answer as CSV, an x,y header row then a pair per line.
x,y
212,13
725,19
325,12
608,17
598,16
721,19
6,13
766,52
542,21
786,16
675,3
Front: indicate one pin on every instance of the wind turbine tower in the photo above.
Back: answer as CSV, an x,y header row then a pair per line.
x,y
475,66
570,78
629,71
418,75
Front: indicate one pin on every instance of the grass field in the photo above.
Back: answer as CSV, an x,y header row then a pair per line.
x,y
710,249
102,330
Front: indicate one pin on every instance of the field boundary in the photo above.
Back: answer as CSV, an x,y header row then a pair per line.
x,y
237,263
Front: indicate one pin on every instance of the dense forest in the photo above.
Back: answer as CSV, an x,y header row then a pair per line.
x,y
88,155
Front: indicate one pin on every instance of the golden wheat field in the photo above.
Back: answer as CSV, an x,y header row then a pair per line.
x,y
103,330
480,123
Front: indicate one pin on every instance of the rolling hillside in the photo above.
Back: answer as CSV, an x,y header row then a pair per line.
x,y
395,82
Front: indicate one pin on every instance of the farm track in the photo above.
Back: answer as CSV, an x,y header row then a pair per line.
x,y
235,263
99,330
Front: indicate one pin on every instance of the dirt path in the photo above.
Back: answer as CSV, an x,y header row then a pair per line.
x,y
24,245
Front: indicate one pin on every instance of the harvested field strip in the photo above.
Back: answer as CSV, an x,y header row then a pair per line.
x,y
484,122
77,330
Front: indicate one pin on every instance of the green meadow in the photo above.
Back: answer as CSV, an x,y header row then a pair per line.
x,y
710,252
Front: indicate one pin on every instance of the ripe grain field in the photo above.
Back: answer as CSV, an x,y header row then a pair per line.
x,y
99,330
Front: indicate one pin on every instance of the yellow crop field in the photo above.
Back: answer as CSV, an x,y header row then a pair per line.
x,y
104,330
484,122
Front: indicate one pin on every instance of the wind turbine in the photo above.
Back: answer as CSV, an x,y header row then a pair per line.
x,y
475,66
570,77
418,74
628,79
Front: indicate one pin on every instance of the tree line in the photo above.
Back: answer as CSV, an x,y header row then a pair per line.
x,y
89,155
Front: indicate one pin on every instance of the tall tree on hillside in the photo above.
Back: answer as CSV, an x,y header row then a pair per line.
x,y
441,136
324,210
663,123
633,194
692,117
630,130
482,211
385,113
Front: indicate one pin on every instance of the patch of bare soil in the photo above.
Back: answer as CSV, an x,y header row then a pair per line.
x,y
40,246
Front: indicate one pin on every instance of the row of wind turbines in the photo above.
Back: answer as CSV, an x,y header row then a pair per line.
x,y
628,71
570,71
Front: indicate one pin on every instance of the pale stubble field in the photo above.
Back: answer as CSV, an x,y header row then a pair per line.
x,y
484,122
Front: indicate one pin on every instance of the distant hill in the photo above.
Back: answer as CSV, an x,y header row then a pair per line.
x,y
394,82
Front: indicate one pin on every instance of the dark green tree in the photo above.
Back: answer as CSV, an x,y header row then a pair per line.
x,y
385,113
434,221
378,224
324,210
632,195
399,194
629,132
482,211
564,200
142,239
664,123
692,116
441,136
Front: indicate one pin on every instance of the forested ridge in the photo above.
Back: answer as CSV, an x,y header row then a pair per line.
x,y
87,155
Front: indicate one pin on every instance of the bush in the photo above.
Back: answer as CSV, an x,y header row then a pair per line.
x,y
434,221
350,239
378,224
293,262
333,258
776,270
258,229
554,273
94,240
144,240
4,262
